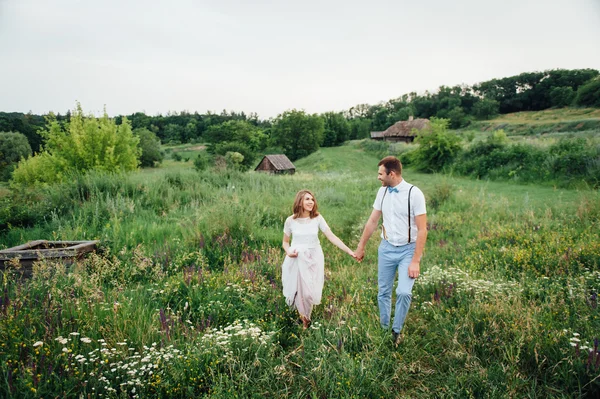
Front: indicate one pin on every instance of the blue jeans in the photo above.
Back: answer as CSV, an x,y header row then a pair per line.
x,y
390,260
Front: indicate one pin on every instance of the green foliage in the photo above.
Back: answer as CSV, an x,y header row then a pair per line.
x,y
234,160
485,108
201,162
337,129
297,133
588,95
177,157
85,143
248,156
151,153
237,132
13,148
571,158
562,96
437,147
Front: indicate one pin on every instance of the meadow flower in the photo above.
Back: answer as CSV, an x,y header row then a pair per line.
x,y
38,343
86,340
74,333
61,340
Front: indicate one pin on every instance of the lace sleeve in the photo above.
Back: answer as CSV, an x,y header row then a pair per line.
x,y
287,226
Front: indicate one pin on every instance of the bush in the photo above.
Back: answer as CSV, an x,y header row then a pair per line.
x,y
437,147
248,156
13,147
201,162
150,147
176,157
570,158
85,143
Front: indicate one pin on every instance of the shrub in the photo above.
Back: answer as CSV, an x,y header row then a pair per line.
x,y
85,143
248,156
570,158
150,147
13,147
437,147
201,162
176,157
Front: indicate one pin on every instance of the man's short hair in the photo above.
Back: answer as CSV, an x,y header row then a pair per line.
x,y
391,164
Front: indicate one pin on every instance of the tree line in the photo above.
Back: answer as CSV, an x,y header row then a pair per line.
x,y
297,133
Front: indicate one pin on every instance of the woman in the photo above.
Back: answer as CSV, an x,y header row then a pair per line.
x,y
303,267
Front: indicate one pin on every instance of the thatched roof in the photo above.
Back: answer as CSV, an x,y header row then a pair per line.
x,y
404,128
279,161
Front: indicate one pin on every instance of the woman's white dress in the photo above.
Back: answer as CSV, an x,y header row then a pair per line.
x,y
304,275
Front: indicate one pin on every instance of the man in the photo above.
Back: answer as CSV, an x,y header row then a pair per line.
x,y
403,239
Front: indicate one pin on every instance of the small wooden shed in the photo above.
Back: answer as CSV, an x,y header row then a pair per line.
x,y
402,130
276,164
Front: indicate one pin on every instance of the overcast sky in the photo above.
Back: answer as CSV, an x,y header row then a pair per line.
x,y
269,56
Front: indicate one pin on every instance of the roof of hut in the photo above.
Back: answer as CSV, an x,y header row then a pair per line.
x,y
279,161
404,128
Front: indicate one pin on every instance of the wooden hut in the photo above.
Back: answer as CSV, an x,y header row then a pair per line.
x,y
402,130
277,164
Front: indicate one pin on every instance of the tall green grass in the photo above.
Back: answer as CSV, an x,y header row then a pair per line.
x,y
184,298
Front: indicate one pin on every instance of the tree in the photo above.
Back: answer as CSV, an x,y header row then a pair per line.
x,y
151,154
437,147
485,108
13,148
298,133
588,95
337,129
85,143
561,96
237,131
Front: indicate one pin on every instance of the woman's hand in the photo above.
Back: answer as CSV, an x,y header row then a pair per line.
x,y
292,253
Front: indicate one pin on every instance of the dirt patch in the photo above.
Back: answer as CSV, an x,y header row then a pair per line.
x,y
195,148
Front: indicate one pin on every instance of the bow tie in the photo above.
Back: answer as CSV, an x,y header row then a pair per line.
x,y
392,190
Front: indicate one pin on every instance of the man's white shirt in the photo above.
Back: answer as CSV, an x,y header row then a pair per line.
x,y
394,206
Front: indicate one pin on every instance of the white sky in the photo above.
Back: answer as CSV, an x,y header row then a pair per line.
x,y
269,56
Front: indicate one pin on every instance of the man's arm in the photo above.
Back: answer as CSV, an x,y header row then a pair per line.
x,y
370,227
415,263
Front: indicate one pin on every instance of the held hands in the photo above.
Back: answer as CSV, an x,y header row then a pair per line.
x,y
359,254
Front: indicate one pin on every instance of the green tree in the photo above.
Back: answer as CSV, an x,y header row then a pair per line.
x,y
561,96
298,133
13,148
437,147
588,95
174,134
85,143
237,131
151,153
485,109
337,129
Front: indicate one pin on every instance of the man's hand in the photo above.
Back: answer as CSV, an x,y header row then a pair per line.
x,y
414,269
359,254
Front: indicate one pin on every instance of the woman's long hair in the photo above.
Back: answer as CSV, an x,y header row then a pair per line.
x,y
297,209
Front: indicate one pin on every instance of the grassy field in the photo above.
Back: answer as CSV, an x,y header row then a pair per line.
x,y
548,123
184,297
549,116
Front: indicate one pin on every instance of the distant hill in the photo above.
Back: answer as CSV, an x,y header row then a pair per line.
x,y
541,122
